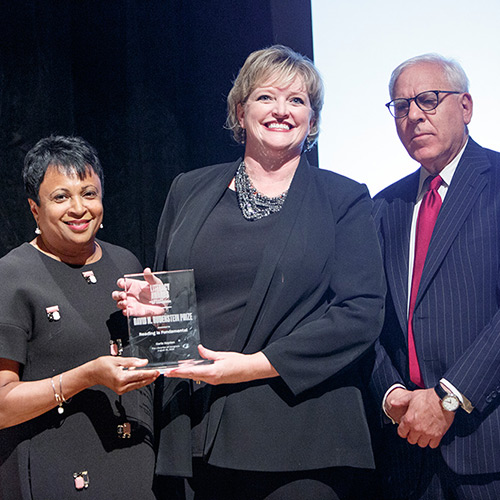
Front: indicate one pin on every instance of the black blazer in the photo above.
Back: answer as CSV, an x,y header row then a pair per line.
x,y
315,308
457,312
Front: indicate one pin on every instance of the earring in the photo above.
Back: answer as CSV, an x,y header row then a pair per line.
x,y
309,144
37,230
101,226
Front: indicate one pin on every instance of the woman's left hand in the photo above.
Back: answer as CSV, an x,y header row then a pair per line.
x,y
227,368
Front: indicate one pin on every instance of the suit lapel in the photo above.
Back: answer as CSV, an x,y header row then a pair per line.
x,y
466,185
397,246
272,253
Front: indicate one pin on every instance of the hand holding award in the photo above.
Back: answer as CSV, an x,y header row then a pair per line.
x,y
162,317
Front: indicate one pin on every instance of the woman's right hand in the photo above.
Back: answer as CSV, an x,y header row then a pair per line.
x,y
120,374
22,401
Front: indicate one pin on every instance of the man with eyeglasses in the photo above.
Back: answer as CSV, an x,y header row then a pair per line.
x,y
437,370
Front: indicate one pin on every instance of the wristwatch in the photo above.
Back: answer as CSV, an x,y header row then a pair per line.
x,y
449,401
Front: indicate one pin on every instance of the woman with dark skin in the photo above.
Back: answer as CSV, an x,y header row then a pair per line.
x,y
64,424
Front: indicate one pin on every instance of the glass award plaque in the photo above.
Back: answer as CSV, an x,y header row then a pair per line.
x,y
162,318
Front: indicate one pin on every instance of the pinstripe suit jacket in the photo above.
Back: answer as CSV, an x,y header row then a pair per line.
x,y
457,311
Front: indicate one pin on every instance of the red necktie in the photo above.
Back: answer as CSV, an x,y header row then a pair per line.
x,y
427,215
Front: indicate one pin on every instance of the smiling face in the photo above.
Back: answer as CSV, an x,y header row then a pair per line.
x,y
276,118
433,138
69,214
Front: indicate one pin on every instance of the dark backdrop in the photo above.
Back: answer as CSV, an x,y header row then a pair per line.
x,y
144,81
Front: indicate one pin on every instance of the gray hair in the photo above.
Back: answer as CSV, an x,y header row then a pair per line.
x,y
454,73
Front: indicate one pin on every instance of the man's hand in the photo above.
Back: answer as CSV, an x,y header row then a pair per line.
x,y
396,403
424,422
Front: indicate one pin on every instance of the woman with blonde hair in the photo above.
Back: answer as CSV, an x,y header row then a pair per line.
x,y
290,295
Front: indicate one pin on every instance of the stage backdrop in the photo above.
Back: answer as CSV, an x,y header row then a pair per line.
x,y
144,81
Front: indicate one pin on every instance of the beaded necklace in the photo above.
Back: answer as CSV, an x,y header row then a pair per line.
x,y
254,205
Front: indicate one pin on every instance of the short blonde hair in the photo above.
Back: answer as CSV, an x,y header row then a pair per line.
x,y
280,64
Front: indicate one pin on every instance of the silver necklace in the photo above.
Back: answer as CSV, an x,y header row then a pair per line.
x,y
254,205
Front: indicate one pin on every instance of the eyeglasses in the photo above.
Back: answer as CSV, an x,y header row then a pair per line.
x,y
426,101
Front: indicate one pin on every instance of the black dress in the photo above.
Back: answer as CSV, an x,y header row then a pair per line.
x,y
39,458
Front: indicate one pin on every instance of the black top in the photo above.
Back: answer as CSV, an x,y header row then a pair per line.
x,y
226,255
38,458
314,309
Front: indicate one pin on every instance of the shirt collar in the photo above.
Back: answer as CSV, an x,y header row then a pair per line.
x,y
446,174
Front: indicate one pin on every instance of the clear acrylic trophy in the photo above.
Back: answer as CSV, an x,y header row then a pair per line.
x,y
162,318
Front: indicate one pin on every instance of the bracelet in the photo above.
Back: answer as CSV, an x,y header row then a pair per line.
x,y
58,398
61,390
